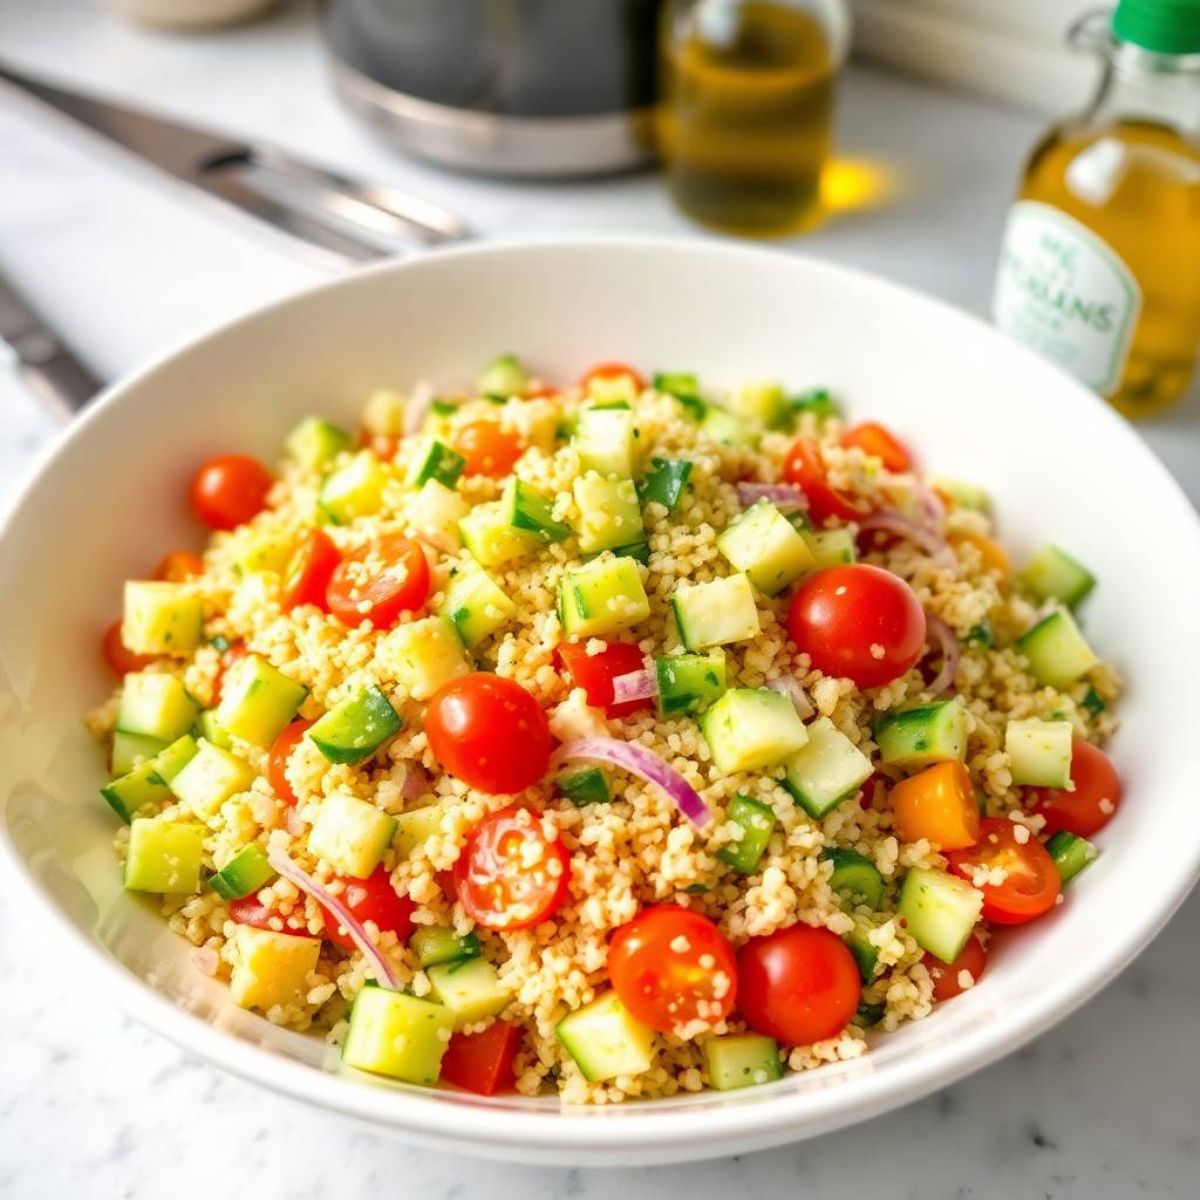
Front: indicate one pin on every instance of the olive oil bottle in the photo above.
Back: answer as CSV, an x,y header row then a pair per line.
x,y
1100,267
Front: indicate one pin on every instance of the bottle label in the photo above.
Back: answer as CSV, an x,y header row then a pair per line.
x,y
1066,293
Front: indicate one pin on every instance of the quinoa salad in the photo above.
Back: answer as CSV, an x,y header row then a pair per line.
x,y
613,740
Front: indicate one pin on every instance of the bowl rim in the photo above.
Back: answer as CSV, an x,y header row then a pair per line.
x,y
640,1132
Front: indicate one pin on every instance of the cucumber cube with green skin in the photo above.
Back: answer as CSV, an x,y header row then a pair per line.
x,y
211,777
757,823
1052,574
1039,752
602,596
609,513
155,706
689,683
605,1040
355,490
490,536
129,749
765,545
826,771
470,989
715,613
435,511
436,461
173,758
832,548
739,1060
1071,854
504,376
751,729
434,946
676,383
257,701
727,429
584,787
855,879
939,911
612,391
350,834
866,953
315,443
137,789
415,827
161,618
764,402
245,873
606,442
818,401
424,655
163,856
475,603
272,968
530,511
206,724
915,737
354,729
397,1035
665,482
963,495
1056,650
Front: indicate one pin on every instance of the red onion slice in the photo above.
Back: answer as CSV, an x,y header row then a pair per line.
x,y
785,496
643,763
291,870
416,406
417,781
941,637
785,685
931,505
637,685
900,526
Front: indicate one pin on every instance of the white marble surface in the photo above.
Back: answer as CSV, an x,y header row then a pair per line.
x,y
93,1106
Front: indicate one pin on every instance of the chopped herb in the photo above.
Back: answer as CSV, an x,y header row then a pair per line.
x,y
220,643
588,786
817,401
696,889
979,635
868,1014
1092,703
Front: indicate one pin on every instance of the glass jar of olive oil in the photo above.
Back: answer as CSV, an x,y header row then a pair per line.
x,y
1100,267
747,110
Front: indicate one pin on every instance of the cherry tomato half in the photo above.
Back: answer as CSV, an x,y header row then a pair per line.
x,y
878,441
277,760
798,985
489,732
613,370
511,874
179,565
230,489
1090,806
1031,886
371,899
488,447
804,468
671,966
309,571
595,673
120,659
378,582
859,622
482,1062
946,984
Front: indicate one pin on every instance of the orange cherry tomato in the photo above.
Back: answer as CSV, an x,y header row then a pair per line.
x,y
937,804
122,660
613,370
1095,794
229,490
277,760
488,447
946,983
991,553
379,581
878,441
179,565
804,468
543,391
482,1062
1031,884
309,571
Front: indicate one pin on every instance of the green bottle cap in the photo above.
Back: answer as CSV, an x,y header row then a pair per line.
x,y
1164,26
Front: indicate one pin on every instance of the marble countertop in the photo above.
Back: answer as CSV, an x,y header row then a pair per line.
x,y
92,1105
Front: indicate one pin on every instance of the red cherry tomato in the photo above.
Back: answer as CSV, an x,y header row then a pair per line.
x,y
489,732
804,468
1090,806
595,673
945,976
277,760
382,445
671,966
798,985
878,441
179,565
121,660
488,447
371,899
482,1062
859,622
378,582
613,370
309,571
1031,886
230,489
249,910
511,874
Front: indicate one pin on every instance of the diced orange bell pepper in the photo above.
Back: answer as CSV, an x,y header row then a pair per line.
x,y
939,805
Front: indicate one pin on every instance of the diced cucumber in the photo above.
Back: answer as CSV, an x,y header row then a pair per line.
x,y
832,548
425,655
350,834
616,390
855,879
676,383
488,533
761,401
757,823
256,551
383,414
415,827
765,545
740,1060
715,613
939,911
354,729
504,376
750,729
135,790
173,758
609,513
606,442
210,778
155,706
475,603
828,770
689,683
1056,650
1039,752
246,872
470,989
208,728
434,945
435,460
726,429
817,401
961,494
915,737
606,1041
586,786
161,618
272,968
866,953
356,490
665,482
1071,854
257,701
1052,574
163,856
129,749
315,442
530,511
435,512
397,1035
601,597
438,418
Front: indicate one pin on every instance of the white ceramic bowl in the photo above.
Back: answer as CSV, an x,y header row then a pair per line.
x,y
110,498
